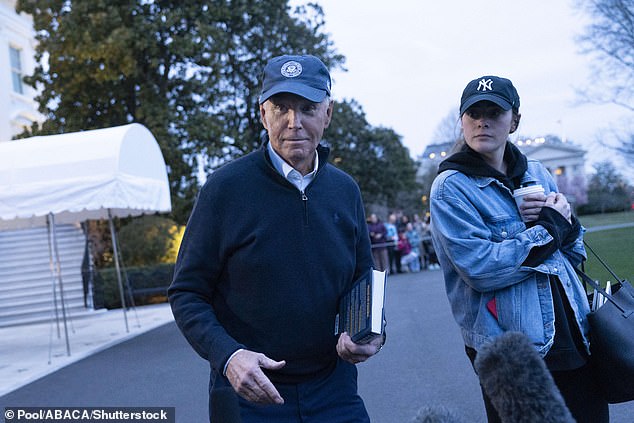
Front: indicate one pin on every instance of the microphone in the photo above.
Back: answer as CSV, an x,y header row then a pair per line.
x,y
437,414
516,379
224,406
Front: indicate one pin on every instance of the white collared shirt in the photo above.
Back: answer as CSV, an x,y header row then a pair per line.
x,y
290,173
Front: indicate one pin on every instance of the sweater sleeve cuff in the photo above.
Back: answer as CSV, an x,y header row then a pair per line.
x,y
556,225
573,234
559,228
224,369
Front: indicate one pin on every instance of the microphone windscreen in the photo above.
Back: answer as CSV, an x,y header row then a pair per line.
x,y
224,405
437,414
519,385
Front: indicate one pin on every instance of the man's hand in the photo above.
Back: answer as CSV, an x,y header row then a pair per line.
x,y
245,374
357,353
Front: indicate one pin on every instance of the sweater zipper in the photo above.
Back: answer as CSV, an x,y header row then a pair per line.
x,y
305,201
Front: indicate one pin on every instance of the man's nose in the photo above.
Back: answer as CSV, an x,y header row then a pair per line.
x,y
294,119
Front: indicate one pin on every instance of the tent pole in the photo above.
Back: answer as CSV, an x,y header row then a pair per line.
x,y
115,252
61,283
53,273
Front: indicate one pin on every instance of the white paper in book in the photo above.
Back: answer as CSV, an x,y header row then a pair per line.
x,y
379,298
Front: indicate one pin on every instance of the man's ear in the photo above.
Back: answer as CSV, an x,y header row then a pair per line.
x,y
515,122
262,116
329,110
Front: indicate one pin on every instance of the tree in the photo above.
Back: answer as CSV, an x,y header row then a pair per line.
x,y
607,191
448,130
426,179
609,38
187,70
150,240
374,156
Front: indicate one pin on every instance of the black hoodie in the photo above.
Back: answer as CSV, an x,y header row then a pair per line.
x,y
469,162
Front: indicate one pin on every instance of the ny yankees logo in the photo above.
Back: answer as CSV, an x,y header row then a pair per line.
x,y
485,84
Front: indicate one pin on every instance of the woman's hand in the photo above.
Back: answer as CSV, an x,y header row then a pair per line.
x,y
559,202
531,206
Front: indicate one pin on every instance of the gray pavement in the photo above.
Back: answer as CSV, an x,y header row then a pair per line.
x,y
422,364
30,352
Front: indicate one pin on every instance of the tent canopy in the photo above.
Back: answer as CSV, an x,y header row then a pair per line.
x,y
82,175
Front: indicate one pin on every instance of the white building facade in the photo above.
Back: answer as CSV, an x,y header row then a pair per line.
x,y
18,108
564,160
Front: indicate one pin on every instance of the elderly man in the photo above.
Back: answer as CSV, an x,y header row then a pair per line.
x,y
274,240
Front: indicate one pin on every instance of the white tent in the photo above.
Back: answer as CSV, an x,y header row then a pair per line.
x,y
77,176
82,175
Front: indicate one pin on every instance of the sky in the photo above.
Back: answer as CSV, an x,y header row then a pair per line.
x,y
409,60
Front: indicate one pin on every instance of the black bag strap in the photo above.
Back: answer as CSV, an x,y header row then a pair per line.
x,y
601,261
595,284
598,287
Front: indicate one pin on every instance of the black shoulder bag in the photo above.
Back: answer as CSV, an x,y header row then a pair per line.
x,y
612,338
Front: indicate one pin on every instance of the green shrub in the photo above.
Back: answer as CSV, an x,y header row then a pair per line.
x,y
134,279
148,240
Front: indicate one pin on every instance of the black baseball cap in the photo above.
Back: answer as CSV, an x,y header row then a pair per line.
x,y
304,75
491,88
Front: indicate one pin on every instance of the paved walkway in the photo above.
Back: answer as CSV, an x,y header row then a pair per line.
x,y
422,364
610,227
30,352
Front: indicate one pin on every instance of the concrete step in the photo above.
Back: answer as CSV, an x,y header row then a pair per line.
x,y
19,257
38,271
49,316
29,287
39,309
26,279
17,303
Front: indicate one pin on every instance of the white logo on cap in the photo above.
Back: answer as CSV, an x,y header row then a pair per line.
x,y
485,84
291,69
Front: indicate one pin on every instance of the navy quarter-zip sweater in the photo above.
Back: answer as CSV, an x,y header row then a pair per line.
x,y
262,265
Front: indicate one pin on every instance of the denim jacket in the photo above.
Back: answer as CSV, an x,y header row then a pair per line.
x,y
481,243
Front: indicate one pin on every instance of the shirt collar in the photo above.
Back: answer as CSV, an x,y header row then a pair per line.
x,y
284,168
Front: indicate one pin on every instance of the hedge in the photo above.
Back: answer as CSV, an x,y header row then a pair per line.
x,y
142,285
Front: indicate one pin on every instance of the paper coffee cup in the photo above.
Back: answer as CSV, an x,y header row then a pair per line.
x,y
519,193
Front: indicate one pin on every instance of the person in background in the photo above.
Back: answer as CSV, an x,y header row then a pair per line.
x,y
402,222
409,259
430,261
510,268
413,237
418,224
274,240
378,238
392,237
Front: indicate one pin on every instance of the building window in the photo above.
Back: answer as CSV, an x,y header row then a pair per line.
x,y
16,69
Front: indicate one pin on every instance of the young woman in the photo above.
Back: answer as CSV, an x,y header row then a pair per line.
x,y
510,268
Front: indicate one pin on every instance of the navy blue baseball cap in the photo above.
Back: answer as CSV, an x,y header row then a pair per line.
x,y
491,88
306,76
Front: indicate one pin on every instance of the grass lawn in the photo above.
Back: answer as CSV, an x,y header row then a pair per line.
x,y
592,220
616,249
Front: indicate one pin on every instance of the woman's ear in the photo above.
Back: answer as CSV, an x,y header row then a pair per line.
x,y
515,122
